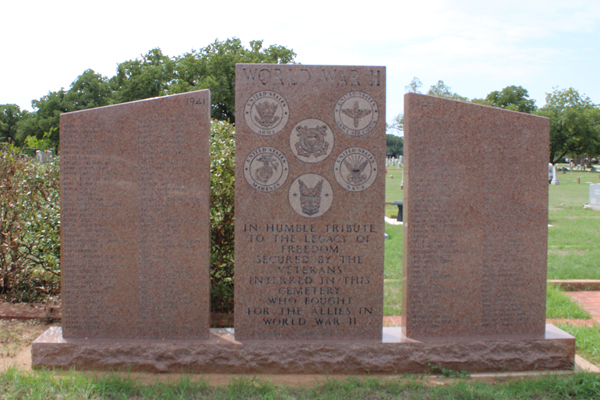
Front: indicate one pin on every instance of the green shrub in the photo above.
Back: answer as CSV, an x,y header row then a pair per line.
x,y
29,227
222,196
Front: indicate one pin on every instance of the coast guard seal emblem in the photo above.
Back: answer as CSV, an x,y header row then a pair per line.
x,y
311,140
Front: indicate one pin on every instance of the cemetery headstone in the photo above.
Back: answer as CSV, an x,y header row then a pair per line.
x,y
595,196
310,178
555,180
135,194
475,247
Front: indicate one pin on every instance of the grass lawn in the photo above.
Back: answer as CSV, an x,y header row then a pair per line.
x,y
45,385
574,238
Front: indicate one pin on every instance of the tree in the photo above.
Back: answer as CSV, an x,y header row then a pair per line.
x,y
45,118
574,124
10,115
515,98
149,76
442,90
213,67
394,145
414,86
153,74
89,90
397,125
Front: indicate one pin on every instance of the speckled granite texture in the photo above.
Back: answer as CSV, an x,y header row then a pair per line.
x,y
223,354
475,219
135,193
310,182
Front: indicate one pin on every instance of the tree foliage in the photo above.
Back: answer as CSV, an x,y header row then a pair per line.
x,y
414,86
151,75
440,89
10,115
394,145
515,98
574,124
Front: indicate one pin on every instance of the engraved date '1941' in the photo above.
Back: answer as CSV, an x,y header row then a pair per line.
x,y
191,101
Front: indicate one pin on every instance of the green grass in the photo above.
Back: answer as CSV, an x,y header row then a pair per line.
x,y
574,238
560,305
587,340
392,190
44,385
393,252
392,290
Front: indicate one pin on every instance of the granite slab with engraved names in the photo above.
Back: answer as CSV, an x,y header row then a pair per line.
x,y
135,193
310,142
476,215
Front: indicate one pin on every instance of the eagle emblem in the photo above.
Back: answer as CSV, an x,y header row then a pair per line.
x,y
310,198
266,114
355,169
264,173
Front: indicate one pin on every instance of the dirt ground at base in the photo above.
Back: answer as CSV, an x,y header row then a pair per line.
x,y
16,337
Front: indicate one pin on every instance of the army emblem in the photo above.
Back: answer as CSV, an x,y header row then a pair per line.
x,y
355,169
266,169
311,140
311,195
266,113
356,113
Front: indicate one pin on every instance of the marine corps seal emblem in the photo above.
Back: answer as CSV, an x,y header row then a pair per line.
x,y
266,169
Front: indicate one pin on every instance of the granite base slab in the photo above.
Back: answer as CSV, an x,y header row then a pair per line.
x,y
394,354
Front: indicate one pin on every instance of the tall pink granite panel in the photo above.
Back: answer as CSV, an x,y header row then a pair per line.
x,y
310,148
476,214
135,192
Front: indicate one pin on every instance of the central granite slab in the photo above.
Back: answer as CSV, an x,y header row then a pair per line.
x,y
310,183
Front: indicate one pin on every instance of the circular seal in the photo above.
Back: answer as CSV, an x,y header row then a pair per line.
x,y
355,169
356,113
266,113
266,169
311,195
311,140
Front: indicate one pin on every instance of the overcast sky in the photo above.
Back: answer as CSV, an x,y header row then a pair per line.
x,y
475,47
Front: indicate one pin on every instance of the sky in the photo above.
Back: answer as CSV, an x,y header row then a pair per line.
x,y
475,47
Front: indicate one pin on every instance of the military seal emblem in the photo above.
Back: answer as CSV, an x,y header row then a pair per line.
x,y
311,140
356,113
266,169
355,169
266,113
311,195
